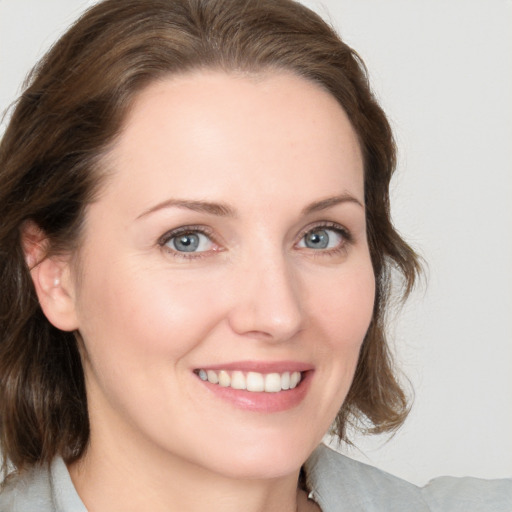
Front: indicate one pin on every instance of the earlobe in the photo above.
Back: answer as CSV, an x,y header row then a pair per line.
x,y
51,275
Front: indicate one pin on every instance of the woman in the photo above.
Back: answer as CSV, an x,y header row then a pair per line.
x,y
196,250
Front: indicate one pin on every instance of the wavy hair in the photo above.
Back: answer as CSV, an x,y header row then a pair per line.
x,y
72,109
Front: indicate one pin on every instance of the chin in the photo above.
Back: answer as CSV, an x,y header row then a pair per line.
x,y
263,459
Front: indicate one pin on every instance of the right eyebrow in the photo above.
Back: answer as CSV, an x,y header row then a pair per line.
x,y
329,202
219,209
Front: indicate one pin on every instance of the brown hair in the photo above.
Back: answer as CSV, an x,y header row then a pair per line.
x,y
50,160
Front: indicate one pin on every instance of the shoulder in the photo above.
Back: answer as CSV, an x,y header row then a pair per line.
x,y
41,489
341,484
30,490
474,494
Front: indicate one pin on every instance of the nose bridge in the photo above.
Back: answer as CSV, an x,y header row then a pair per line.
x,y
269,302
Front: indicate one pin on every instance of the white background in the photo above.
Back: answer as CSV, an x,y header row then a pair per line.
x,y
443,72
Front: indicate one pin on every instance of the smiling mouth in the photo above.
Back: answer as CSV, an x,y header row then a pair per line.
x,y
251,381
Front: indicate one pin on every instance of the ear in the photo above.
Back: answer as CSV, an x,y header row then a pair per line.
x,y
52,278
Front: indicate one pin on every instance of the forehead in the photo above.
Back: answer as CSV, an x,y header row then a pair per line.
x,y
207,130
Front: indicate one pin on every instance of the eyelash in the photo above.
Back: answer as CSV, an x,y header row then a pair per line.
x,y
186,230
346,236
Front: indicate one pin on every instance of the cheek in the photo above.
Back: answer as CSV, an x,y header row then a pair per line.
x,y
345,309
135,314
342,316
139,328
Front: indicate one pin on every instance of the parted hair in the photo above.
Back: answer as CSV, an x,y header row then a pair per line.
x,y
71,111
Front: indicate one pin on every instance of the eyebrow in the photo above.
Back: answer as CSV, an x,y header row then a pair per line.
x,y
224,210
329,202
219,209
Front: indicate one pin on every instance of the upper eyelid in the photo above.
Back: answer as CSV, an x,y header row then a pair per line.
x,y
325,224
186,229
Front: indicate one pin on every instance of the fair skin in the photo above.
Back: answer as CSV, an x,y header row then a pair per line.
x,y
228,238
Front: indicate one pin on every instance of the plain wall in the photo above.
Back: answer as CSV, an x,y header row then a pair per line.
x,y
442,71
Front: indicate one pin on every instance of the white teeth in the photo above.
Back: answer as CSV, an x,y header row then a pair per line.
x,y
212,377
224,379
294,379
238,380
255,382
273,383
252,381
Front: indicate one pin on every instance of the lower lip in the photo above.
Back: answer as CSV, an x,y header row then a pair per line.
x,y
263,402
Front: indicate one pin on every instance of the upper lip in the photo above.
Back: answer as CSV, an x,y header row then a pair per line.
x,y
261,366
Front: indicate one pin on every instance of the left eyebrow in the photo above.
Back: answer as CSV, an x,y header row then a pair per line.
x,y
220,209
329,202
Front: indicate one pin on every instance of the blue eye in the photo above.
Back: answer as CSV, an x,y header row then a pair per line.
x,y
322,238
190,241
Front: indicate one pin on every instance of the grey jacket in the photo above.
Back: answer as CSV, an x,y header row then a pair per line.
x,y
338,483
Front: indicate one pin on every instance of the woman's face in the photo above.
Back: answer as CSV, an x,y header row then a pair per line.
x,y
228,244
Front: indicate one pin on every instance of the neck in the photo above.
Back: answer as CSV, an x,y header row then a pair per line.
x,y
115,477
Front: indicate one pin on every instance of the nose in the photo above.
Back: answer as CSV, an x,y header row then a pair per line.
x,y
267,304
